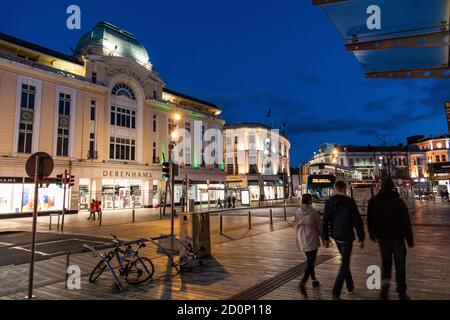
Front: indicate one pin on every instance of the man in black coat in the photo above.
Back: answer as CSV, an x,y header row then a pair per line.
x,y
389,225
340,220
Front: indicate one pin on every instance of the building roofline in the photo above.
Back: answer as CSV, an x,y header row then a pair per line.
x,y
41,49
442,136
185,96
252,125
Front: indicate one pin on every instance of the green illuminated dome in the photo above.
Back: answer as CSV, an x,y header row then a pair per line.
x,y
107,39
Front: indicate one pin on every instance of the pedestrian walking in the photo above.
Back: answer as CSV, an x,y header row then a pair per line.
x,y
446,195
309,233
233,199
229,201
340,220
389,224
92,210
219,203
98,208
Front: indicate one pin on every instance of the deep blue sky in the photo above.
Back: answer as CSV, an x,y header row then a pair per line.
x,y
248,55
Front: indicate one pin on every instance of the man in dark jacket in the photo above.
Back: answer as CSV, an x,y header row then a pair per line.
x,y
341,217
389,224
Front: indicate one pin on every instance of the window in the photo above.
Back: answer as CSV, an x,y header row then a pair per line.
x,y
155,120
91,143
27,104
122,149
123,117
229,140
438,158
94,77
155,95
28,97
444,158
123,90
64,104
187,126
25,137
251,138
155,160
93,110
236,141
63,133
62,147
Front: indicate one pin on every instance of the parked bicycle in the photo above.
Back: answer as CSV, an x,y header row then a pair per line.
x,y
132,266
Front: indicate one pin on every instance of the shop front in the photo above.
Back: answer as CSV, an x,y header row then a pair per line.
x,y
119,188
17,196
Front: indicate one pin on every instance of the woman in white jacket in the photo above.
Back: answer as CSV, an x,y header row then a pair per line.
x,y
309,233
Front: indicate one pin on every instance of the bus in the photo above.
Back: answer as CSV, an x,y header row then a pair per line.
x,y
322,177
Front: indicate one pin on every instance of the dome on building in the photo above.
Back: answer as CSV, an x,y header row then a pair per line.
x,y
111,40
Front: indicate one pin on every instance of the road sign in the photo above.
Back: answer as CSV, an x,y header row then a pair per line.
x,y
45,165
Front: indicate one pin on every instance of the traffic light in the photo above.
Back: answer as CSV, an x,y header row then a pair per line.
x,y
59,180
72,181
66,178
280,179
166,171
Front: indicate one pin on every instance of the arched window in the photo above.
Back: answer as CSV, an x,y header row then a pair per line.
x,y
123,90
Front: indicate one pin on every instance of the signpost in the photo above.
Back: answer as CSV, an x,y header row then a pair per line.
x,y
39,166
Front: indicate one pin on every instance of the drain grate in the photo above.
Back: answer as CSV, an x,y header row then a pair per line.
x,y
277,281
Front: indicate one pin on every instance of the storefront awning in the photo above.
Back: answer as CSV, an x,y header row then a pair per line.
x,y
413,41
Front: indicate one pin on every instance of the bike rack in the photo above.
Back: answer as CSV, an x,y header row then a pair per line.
x,y
97,253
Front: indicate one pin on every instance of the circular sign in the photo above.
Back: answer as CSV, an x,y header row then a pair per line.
x,y
45,165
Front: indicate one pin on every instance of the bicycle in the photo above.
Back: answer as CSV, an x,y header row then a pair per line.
x,y
134,268
188,259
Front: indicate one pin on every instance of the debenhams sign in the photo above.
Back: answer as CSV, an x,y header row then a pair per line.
x,y
126,174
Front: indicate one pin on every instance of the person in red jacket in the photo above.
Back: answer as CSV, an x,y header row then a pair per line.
x,y
92,206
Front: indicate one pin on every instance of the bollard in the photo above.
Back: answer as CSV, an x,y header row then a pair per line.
x,y
50,223
134,216
271,219
285,211
249,220
220,224
100,217
67,268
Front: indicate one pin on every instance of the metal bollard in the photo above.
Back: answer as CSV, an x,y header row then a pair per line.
x,y
67,267
249,220
100,217
220,224
50,223
271,219
285,211
134,216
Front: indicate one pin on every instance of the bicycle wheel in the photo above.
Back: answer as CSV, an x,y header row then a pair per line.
x,y
140,271
99,269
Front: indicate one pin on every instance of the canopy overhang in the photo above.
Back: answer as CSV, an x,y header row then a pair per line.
x,y
413,41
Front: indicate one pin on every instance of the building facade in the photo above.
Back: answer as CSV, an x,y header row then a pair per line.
x,y
105,115
257,161
436,150
374,162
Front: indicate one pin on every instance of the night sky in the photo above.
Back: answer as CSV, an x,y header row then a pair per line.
x,y
247,56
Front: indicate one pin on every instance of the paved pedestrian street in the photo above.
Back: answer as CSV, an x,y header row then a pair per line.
x,y
245,264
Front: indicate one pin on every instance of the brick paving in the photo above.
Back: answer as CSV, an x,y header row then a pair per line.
x,y
242,259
